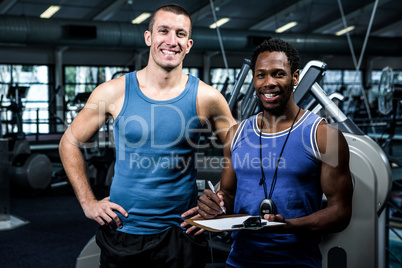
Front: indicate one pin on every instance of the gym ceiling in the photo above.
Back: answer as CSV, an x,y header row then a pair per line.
x,y
90,24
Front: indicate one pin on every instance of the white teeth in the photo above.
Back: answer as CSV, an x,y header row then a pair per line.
x,y
168,52
269,96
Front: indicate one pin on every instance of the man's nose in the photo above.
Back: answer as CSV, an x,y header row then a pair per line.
x,y
171,38
270,81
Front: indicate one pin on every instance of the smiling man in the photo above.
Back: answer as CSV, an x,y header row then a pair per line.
x,y
310,158
158,115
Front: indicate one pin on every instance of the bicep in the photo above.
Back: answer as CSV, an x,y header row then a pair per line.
x,y
228,177
85,125
216,110
336,181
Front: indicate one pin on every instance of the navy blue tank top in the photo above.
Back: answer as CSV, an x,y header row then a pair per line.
x,y
297,192
155,180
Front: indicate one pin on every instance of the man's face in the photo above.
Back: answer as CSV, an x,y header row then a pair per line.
x,y
169,39
274,81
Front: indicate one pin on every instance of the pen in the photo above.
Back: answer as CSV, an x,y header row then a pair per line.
x,y
211,186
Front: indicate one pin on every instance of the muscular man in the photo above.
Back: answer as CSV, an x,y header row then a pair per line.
x,y
158,112
279,164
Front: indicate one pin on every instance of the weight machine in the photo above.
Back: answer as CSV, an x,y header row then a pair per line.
x,y
21,170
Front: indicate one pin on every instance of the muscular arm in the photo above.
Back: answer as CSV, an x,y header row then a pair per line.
x,y
87,123
209,203
213,110
336,183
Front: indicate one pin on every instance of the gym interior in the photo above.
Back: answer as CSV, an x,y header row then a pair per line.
x,y
351,74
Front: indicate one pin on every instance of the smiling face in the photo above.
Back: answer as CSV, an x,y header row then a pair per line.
x,y
274,81
169,39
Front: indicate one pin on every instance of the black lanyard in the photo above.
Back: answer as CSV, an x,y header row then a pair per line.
x,y
262,180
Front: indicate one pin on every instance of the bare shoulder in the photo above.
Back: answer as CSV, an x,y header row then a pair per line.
x,y
110,89
331,142
213,108
210,100
326,132
207,93
110,94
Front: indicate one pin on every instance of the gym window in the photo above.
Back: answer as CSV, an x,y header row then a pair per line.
x,y
26,88
224,79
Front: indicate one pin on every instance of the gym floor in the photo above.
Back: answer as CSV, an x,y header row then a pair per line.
x,y
57,230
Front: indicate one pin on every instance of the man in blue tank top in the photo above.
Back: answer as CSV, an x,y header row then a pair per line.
x,y
278,165
158,114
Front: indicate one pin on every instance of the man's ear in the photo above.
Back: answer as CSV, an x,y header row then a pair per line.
x,y
147,37
189,45
295,77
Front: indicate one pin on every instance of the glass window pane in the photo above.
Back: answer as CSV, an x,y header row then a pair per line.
x,y
398,77
332,81
80,79
350,77
27,86
192,71
5,79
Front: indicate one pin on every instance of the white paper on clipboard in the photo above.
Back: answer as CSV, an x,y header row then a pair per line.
x,y
223,224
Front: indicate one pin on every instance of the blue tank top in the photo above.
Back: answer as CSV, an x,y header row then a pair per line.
x,y
297,192
155,142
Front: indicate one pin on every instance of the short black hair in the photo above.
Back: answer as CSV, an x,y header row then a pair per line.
x,y
277,45
174,8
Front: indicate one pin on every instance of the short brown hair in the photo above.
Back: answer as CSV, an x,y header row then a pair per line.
x,y
174,8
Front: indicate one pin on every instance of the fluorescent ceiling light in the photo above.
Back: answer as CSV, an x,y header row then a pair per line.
x,y
219,23
141,18
49,12
343,31
286,27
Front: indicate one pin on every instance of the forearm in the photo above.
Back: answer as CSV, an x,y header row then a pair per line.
x,y
74,166
328,220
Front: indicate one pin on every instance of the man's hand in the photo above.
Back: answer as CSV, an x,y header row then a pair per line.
x,y
102,211
191,229
272,217
209,204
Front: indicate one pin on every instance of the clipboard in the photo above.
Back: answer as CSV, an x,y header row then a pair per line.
x,y
230,223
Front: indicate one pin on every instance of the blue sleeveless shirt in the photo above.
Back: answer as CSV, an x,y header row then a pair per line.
x,y
155,176
297,192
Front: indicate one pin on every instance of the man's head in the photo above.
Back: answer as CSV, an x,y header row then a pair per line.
x,y
176,9
169,37
275,72
277,45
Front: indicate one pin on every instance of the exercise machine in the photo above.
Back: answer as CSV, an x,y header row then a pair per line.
x,y
7,221
363,242
28,171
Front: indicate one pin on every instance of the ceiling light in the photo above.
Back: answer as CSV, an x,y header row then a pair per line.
x,y
343,31
286,27
49,12
219,23
141,18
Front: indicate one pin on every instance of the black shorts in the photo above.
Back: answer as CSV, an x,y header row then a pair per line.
x,y
171,248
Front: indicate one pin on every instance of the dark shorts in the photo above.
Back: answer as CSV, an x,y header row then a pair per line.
x,y
171,248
